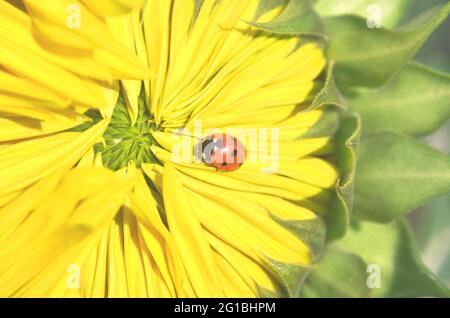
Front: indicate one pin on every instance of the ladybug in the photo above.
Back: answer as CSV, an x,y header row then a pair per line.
x,y
222,151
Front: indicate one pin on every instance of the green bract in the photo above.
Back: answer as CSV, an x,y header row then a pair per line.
x,y
380,100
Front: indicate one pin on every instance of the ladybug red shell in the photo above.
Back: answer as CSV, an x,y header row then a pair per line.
x,y
222,151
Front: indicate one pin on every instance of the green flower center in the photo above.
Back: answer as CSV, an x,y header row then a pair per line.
x,y
125,141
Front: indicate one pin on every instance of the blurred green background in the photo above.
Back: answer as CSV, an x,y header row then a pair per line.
x,y
432,222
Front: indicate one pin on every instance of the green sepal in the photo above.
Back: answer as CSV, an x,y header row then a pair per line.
x,y
264,292
267,5
339,274
393,248
312,232
329,94
369,57
395,174
415,101
326,126
298,18
289,276
346,142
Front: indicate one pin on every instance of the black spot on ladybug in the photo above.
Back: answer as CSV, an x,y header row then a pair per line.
x,y
224,164
234,153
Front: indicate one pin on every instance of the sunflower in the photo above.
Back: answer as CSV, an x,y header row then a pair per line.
x,y
92,201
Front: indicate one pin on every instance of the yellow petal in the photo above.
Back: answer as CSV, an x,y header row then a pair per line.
x,y
112,7
127,30
68,23
13,128
42,263
31,66
26,162
189,237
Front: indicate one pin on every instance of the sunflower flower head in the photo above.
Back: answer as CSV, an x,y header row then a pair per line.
x,y
92,200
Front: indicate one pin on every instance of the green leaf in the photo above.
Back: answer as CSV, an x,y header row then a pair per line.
x,y
298,18
369,57
415,101
338,274
395,174
432,228
391,11
392,247
346,141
